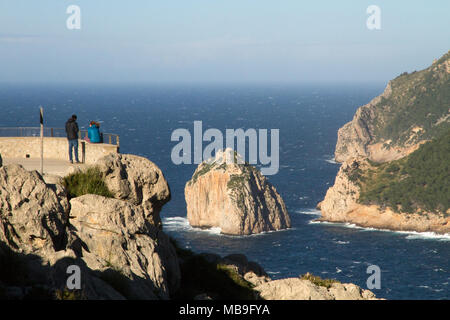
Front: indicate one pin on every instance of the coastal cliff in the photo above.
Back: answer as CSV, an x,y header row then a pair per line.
x,y
394,155
115,240
343,203
413,109
237,198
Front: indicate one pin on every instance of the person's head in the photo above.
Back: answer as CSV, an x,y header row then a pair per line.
x,y
74,117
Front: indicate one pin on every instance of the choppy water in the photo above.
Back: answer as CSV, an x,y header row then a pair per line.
x,y
413,265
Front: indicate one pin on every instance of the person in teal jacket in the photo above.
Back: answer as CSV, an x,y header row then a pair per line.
x,y
94,132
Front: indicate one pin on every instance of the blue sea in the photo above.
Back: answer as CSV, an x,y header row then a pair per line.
x,y
413,265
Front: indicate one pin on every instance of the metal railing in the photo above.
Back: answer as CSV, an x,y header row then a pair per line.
x,y
110,138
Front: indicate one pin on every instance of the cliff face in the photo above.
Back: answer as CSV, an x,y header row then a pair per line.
x,y
341,205
235,197
412,109
116,242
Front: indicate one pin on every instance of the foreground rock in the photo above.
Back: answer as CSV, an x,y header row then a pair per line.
x,y
33,216
116,234
136,180
298,289
237,198
116,242
286,289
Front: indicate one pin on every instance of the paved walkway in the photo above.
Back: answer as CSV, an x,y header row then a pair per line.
x,y
51,166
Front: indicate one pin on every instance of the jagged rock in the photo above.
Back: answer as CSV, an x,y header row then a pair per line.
x,y
235,197
138,180
298,289
117,234
32,216
118,244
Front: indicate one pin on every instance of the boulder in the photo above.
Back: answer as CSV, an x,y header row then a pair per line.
x,y
117,235
235,197
33,217
137,180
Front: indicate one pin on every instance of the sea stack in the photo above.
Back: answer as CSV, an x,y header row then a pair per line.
x,y
235,197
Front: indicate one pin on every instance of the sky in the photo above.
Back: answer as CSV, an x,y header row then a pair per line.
x,y
219,41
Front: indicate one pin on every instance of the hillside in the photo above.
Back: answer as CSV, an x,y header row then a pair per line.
x,y
395,170
418,182
415,107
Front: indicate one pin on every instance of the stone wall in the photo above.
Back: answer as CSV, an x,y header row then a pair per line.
x,y
54,148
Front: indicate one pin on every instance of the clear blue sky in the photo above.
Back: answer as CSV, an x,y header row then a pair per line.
x,y
219,40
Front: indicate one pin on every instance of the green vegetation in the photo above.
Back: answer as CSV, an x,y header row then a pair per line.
x,y
89,181
318,281
419,100
418,182
198,276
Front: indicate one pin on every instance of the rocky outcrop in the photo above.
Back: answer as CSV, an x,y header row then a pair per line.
x,y
237,198
116,242
33,216
136,180
341,205
116,234
299,289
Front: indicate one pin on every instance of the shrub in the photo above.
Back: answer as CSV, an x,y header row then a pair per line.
x,y
89,181
318,281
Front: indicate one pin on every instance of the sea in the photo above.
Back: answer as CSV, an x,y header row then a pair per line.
x,y
413,265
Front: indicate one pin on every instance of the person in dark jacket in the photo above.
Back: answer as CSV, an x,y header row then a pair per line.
x,y
72,136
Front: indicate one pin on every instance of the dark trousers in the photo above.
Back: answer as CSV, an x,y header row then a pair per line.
x,y
73,144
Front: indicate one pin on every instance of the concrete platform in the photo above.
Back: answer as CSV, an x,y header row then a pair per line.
x,y
51,166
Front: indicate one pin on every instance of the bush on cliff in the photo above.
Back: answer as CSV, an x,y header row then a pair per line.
x,y
415,183
89,181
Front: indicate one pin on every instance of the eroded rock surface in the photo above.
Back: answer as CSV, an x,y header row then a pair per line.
x,y
237,198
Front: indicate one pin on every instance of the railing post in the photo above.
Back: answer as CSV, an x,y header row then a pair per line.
x,y
117,140
51,132
109,138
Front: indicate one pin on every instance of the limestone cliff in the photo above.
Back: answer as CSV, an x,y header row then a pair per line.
x,y
237,198
412,109
341,204
116,242
392,176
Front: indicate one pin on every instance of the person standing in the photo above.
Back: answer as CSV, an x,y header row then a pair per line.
x,y
72,136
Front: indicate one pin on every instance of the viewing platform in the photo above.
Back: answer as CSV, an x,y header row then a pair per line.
x,y
22,145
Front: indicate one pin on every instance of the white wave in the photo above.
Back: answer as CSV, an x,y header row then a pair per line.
x,y
273,272
313,212
411,235
341,242
332,161
426,235
182,224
